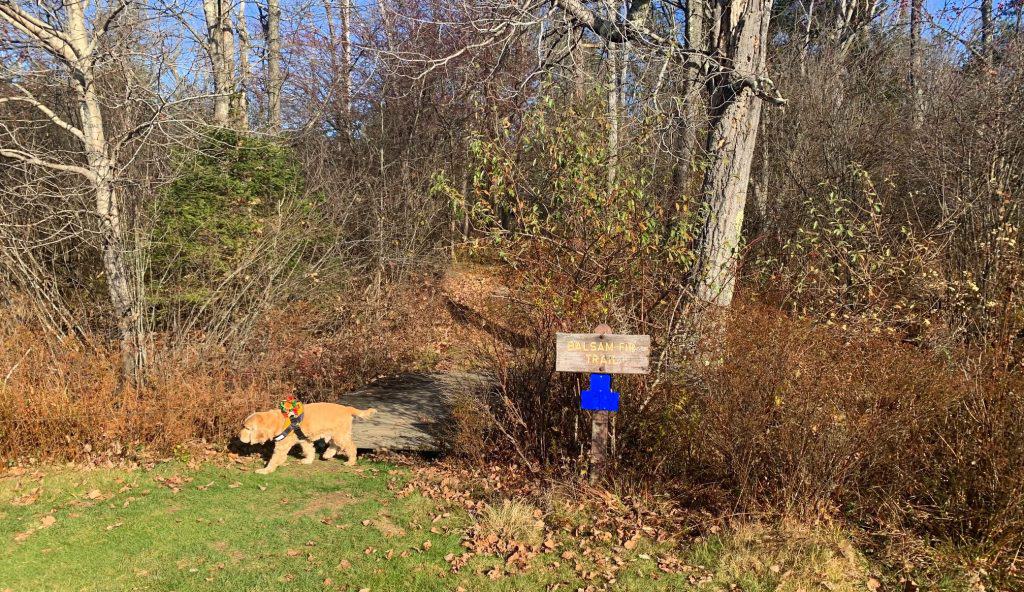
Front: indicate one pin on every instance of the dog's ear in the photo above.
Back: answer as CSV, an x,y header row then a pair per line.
x,y
264,426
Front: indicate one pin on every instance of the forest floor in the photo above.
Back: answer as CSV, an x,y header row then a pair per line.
x,y
209,522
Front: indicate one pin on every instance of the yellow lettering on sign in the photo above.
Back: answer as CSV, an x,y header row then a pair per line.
x,y
597,349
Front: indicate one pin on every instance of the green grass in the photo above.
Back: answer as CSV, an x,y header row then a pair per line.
x,y
230,529
310,527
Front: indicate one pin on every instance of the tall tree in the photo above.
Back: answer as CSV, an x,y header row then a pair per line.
x,y
346,44
220,47
691,101
916,62
986,32
74,44
614,65
733,65
275,77
241,107
735,111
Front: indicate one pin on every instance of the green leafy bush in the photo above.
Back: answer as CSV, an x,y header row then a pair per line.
x,y
216,209
234,233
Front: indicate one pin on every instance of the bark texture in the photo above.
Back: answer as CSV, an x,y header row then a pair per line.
x,y
986,33
241,107
220,47
275,78
692,102
742,35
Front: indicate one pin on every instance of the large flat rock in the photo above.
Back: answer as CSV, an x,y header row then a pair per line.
x,y
413,410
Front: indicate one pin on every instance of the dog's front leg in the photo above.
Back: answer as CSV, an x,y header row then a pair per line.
x,y
279,456
308,452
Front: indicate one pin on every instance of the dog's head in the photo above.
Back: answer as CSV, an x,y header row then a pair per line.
x,y
260,427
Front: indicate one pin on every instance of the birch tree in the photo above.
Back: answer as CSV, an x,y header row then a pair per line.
x,y
73,45
916,62
241,107
275,77
219,44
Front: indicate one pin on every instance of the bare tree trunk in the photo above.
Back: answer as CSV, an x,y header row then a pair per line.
x,y
241,107
613,82
916,62
735,113
986,32
385,20
579,66
102,166
346,42
692,103
275,79
841,8
220,46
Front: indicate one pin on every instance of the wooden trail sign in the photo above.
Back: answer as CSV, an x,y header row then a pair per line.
x,y
602,354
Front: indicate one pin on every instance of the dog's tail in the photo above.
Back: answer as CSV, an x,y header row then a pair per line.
x,y
364,413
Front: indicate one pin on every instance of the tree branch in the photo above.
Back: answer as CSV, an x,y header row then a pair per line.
x,y
56,42
35,160
53,117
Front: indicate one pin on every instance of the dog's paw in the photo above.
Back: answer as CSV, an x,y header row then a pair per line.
x,y
264,471
308,460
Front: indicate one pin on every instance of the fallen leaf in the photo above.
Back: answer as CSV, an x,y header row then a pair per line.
x,y
26,500
873,584
427,545
47,521
235,485
94,494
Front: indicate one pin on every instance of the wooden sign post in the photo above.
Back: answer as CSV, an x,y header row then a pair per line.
x,y
601,354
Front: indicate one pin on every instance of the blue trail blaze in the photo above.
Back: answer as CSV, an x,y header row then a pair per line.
x,y
600,396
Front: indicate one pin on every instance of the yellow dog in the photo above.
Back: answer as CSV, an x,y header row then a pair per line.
x,y
320,421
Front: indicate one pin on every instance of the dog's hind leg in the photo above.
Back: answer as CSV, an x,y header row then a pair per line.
x,y
350,451
308,452
332,449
